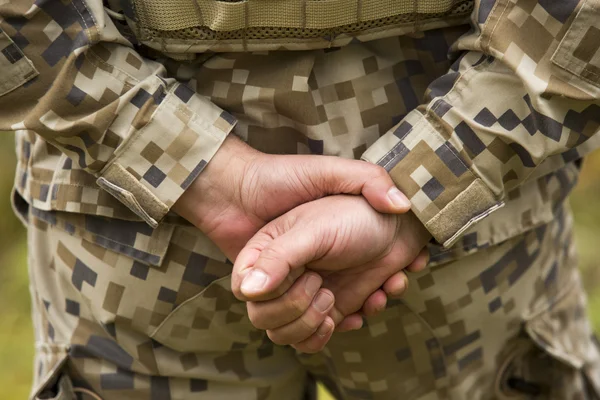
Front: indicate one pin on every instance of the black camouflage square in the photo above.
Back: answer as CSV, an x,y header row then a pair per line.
x,y
139,270
72,307
198,385
12,53
433,188
167,295
154,176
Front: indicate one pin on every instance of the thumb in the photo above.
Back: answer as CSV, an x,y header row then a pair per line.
x,y
267,267
360,177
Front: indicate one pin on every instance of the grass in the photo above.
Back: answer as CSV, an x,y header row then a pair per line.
x,y
16,335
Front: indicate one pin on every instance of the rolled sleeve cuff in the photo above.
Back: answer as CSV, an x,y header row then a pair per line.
x,y
159,161
446,194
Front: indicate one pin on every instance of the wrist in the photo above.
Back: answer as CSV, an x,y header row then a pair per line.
x,y
217,187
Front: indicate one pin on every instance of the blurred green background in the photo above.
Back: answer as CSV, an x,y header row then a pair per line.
x,y
16,336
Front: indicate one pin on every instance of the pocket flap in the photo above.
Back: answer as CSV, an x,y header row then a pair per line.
x,y
578,52
16,68
134,239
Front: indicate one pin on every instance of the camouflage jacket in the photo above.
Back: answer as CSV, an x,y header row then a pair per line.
x,y
116,114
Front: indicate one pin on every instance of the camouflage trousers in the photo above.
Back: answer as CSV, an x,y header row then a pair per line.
x,y
506,322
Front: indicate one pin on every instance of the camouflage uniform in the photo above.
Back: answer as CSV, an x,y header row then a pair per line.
x,y
115,119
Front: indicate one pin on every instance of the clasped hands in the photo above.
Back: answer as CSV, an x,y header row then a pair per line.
x,y
318,241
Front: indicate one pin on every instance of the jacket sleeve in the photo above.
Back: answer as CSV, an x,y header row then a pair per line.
x,y
523,95
67,74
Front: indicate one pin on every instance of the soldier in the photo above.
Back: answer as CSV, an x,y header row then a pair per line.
x,y
135,194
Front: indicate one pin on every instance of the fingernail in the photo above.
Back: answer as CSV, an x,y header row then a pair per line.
x,y
254,281
400,292
323,302
313,283
358,327
398,198
324,329
402,287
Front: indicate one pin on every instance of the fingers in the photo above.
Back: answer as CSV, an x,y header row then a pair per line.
x,y
268,266
385,198
375,303
305,326
340,176
288,307
381,192
345,323
317,341
420,262
352,322
396,285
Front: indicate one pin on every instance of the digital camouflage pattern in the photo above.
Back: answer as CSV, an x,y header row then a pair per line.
x,y
511,325
129,300
508,106
112,123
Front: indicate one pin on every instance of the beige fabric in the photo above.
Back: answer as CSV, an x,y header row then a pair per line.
x,y
136,312
19,69
120,329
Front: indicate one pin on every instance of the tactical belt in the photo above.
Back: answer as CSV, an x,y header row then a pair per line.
x,y
288,24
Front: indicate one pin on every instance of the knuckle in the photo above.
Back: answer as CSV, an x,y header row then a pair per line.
x,y
295,274
257,318
296,302
271,254
311,347
310,322
277,293
277,338
378,171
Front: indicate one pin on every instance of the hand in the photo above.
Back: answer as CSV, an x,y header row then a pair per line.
x,y
242,189
353,248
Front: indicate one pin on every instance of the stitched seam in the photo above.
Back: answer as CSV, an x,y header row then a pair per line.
x,y
13,82
566,50
125,195
399,143
98,62
81,232
489,38
89,36
128,141
480,66
10,57
461,77
23,67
